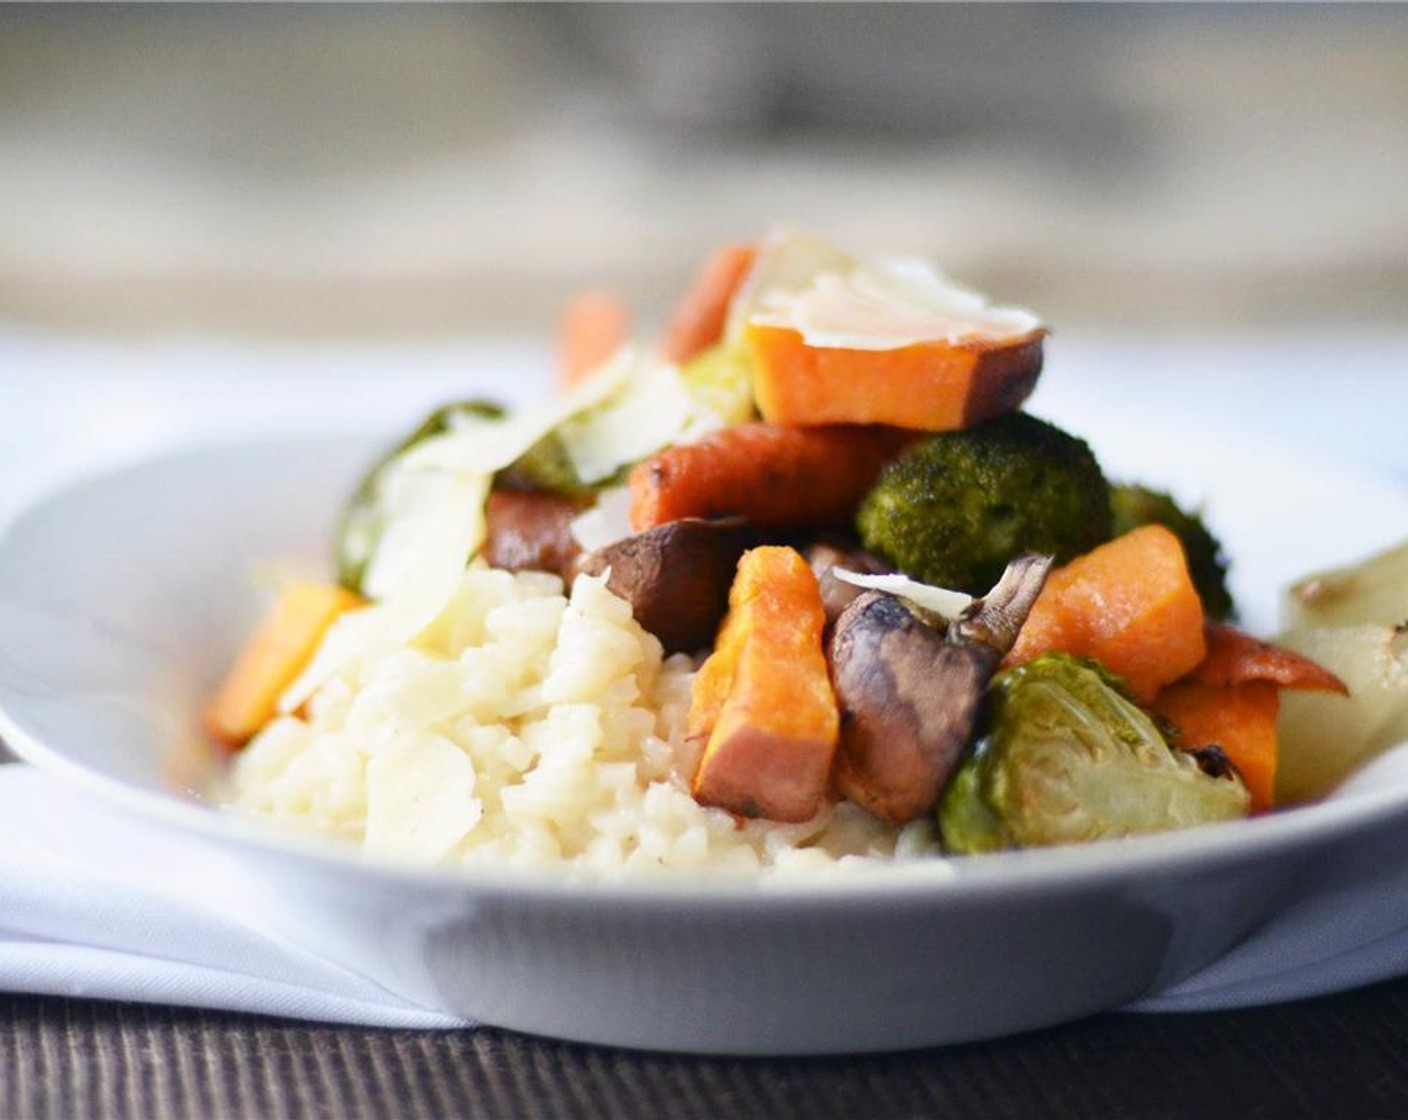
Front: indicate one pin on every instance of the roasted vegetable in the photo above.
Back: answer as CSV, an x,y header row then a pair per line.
x,y
721,379
954,509
1132,506
763,699
836,594
778,478
1323,737
530,530
1239,719
275,654
1129,604
1068,757
697,322
1373,591
363,520
1235,657
910,692
593,326
676,577
1354,621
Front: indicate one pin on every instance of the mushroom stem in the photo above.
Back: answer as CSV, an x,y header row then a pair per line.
x,y
995,619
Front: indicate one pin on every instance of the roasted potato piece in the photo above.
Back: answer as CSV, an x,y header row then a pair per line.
x,y
1353,621
1323,736
1374,591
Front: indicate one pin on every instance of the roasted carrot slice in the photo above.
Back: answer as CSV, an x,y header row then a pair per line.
x,y
932,386
1235,657
1130,604
698,319
592,327
775,477
764,697
1239,718
281,646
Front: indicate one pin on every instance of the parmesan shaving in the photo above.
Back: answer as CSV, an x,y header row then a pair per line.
x,y
939,600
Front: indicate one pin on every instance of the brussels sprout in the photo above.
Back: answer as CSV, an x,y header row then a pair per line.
x,y
1067,757
547,466
721,379
1132,506
362,521
954,509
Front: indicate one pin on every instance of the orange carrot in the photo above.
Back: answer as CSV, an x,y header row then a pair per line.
x,y
775,477
1235,657
764,697
932,386
281,646
698,319
592,327
1130,604
1239,718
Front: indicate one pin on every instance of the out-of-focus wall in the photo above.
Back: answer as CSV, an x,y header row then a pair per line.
x,y
413,171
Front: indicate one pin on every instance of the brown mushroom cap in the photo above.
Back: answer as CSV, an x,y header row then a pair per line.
x,y
676,576
910,692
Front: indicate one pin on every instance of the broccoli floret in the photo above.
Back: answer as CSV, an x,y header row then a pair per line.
x,y
1132,506
956,508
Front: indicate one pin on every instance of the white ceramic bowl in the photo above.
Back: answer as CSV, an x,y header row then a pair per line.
x,y
122,599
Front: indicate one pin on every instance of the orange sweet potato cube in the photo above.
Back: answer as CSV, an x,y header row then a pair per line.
x,y
764,698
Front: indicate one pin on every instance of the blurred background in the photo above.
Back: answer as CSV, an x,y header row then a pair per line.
x,y
222,222
431,172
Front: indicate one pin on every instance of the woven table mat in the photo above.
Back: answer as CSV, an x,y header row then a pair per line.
x,y
1339,1056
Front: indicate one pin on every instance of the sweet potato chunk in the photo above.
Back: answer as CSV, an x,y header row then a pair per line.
x,y
273,657
1130,604
931,386
1239,718
764,698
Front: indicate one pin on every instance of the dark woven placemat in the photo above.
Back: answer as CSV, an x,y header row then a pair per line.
x,y
1342,1056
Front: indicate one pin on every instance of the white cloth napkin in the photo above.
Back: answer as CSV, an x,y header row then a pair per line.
x,y
169,924
161,924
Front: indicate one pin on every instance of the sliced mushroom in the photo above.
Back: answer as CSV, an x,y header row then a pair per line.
x,y
676,576
837,595
910,693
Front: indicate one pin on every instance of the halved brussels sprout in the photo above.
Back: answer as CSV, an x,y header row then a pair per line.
x,y
721,379
363,520
1067,758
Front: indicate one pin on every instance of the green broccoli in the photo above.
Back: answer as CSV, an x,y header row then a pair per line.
x,y
956,508
1132,506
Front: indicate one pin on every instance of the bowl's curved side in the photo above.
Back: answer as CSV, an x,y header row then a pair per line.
x,y
806,975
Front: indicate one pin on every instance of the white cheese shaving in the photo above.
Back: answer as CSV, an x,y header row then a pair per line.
x,y
606,522
485,446
648,410
940,600
420,799
837,300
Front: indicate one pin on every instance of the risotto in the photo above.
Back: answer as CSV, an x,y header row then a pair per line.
x,y
523,727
